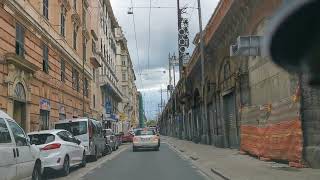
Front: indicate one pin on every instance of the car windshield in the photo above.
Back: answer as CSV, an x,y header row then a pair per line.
x,y
144,132
39,139
76,128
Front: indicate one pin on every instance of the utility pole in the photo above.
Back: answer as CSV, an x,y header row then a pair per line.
x,y
170,77
174,59
179,27
161,100
83,85
204,109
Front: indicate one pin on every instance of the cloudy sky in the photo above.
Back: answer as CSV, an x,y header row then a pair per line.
x,y
163,40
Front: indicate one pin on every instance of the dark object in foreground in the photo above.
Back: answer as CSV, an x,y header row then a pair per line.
x,y
294,39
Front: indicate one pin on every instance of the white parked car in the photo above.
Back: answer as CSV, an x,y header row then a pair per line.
x,y
59,149
18,158
89,131
146,138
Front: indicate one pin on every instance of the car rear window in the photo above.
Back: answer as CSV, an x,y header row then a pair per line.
x,y
39,139
144,132
76,128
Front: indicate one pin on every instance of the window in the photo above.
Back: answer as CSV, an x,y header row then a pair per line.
x,y
4,132
75,80
62,116
94,101
84,16
18,134
45,63
124,76
124,89
75,33
39,139
44,117
45,9
93,46
63,70
63,21
19,40
94,74
123,61
86,89
84,50
63,135
76,128
75,4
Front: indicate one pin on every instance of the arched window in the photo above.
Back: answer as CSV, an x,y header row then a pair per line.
x,y
19,92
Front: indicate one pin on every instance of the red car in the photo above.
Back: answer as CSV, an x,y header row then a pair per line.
x,y
128,137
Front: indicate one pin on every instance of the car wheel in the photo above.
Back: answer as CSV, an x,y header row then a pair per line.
x,y
66,166
157,148
84,160
36,174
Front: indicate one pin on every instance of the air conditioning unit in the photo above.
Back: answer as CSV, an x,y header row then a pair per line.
x,y
247,46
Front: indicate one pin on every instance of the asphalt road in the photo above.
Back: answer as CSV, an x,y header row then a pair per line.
x,y
165,164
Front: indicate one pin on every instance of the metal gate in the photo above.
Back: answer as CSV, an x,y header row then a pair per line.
x,y
230,121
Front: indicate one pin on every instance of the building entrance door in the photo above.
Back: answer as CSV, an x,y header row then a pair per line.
x,y
19,113
19,105
230,120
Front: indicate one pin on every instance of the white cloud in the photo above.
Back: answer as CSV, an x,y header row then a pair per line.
x,y
163,41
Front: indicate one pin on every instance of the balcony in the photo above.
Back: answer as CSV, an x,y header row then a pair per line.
x,y
107,85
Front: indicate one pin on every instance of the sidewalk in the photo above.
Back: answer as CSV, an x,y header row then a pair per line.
x,y
230,164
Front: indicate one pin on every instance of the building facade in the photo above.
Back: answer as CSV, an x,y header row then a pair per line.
x,y
45,73
247,102
127,78
58,61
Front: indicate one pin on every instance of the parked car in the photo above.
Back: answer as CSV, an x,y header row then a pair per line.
x,y
120,137
110,138
128,137
89,131
145,138
59,149
18,158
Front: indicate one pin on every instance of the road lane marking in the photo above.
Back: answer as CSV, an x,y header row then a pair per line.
x,y
81,172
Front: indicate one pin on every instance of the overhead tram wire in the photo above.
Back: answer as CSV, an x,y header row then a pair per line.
x,y
149,35
135,37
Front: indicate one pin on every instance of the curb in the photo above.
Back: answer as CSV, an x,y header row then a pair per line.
x,y
215,172
219,174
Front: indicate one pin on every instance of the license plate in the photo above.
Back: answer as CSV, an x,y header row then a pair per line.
x,y
145,139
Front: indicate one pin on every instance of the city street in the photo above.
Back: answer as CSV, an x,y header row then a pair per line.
x,y
157,165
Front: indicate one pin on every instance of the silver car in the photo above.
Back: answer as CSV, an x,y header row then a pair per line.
x,y
145,139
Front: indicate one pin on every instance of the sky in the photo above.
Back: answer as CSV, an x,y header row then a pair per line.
x,y
152,71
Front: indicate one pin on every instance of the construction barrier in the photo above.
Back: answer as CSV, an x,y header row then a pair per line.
x,y
273,131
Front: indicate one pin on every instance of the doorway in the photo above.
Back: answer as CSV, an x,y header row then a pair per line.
x,y
19,113
230,121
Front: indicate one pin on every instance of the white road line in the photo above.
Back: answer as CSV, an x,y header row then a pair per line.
x,y
79,173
